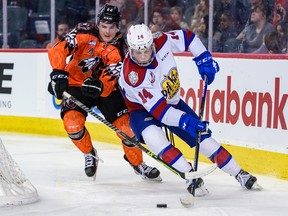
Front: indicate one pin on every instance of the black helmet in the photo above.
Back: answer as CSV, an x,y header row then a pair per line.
x,y
109,13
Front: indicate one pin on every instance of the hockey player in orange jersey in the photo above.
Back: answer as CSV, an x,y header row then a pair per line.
x,y
96,52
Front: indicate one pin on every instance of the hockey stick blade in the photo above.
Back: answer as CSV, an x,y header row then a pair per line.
x,y
201,173
187,201
257,187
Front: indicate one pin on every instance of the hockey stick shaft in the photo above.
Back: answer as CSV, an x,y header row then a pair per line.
x,y
197,147
191,175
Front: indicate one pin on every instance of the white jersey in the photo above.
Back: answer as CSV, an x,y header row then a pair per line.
x,y
156,88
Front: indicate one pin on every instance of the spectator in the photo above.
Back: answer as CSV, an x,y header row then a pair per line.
x,y
131,11
159,22
72,12
201,10
280,11
283,36
238,8
62,30
162,5
184,4
271,44
176,16
269,6
203,30
225,31
252,36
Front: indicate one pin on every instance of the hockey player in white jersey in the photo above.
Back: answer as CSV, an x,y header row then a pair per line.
x,y
151,88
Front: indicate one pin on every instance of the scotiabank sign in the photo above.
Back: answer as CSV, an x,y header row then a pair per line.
x,y
258,109
246,105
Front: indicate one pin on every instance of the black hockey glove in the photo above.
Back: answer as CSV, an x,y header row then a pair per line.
x,y
58,83
92,87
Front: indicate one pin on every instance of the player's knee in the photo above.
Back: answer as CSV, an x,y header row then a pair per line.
x,y
74,124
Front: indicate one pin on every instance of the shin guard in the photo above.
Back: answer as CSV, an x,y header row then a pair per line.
x,y
133,153
74,125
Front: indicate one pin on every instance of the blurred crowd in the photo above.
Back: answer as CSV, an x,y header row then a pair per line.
x,y
239,26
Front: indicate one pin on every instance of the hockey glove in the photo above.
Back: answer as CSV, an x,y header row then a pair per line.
x,y
192,125
92,87
206,66
58,83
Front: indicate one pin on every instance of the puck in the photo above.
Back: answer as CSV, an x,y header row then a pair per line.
x,y
161,205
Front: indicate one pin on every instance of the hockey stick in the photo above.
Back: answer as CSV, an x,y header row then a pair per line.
x,y
188,201
197,147
186,176
169,135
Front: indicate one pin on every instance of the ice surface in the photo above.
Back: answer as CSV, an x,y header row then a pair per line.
x,y
56,168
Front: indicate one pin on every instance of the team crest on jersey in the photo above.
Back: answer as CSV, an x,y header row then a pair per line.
x,y
171,84
133,77
157,34
90,63
152,77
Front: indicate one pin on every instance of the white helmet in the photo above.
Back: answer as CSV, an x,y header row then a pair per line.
x,y
139,37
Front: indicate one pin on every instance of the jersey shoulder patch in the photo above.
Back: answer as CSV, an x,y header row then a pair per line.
x,y
133,74
86,28
159,40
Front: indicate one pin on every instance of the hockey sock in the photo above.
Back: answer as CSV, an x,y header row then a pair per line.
x,y
218,154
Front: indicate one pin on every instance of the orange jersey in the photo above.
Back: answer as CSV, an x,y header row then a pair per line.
x,y
89,58
49,45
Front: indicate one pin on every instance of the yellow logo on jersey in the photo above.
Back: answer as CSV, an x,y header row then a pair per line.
x,y
171,84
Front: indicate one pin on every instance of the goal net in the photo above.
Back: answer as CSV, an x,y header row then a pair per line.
x,y
15,188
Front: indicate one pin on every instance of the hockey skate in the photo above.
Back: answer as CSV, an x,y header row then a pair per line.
x,y
91,163
247,181
146,172
200,190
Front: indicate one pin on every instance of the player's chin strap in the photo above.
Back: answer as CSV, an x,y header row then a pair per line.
x,y
133,141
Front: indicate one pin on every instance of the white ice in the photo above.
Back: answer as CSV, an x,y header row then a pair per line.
x,y
56,168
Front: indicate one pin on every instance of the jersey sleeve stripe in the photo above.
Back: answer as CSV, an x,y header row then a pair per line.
x,y
159,109
188,37
160,41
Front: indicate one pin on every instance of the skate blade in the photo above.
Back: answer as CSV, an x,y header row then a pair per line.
x,y
157,179
94,177
187,201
